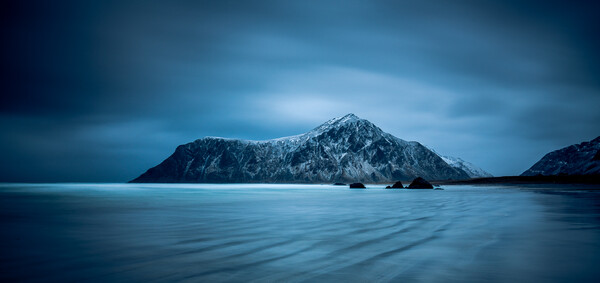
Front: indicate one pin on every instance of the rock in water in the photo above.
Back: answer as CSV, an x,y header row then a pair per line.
x,y
357,186
420,183
397,185
343,149
577,159
339,184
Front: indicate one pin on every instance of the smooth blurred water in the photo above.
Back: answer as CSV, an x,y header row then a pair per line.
x,y
242,232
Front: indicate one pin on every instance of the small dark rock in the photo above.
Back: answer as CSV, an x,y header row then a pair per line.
x,y
438,188
397,185
420,183
357,186
339,184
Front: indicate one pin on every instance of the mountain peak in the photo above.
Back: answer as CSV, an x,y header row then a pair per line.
x,y
343,119
350,116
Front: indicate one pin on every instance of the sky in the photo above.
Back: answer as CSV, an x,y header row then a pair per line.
x,y
100,91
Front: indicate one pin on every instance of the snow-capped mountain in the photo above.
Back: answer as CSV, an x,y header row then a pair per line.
x,y
471,169
343,149
577,159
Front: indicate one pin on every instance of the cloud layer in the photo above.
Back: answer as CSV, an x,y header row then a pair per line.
x,y
101,92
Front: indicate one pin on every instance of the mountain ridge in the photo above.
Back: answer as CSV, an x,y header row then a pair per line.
x,y
343,149
471,169
576,159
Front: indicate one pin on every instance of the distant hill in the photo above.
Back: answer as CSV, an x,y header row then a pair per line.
x,y
471,169
577,159
344,149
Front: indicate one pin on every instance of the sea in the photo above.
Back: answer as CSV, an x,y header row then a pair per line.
x,y
298,233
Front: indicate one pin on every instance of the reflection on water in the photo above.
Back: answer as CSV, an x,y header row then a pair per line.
x,y
133,232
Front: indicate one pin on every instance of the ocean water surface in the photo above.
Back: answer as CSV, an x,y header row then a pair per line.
x,y
296,233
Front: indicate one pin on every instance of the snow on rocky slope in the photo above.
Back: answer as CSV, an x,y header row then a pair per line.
x,y
344,149
471,169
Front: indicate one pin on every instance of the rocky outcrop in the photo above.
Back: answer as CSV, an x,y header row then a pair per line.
x,y
420,183
357,186
577,159
345,149
397,185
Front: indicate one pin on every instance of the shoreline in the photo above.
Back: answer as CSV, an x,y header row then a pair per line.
x,y
520,180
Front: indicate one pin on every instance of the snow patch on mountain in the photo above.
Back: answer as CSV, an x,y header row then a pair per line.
x,y
471,169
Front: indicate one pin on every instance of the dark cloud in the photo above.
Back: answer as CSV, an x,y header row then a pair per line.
x,y
99,91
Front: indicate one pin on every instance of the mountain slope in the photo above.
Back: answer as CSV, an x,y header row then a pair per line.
x,y
471,169
343,149
577,159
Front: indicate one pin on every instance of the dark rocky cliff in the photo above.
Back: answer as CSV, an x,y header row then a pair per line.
x,y
577,159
